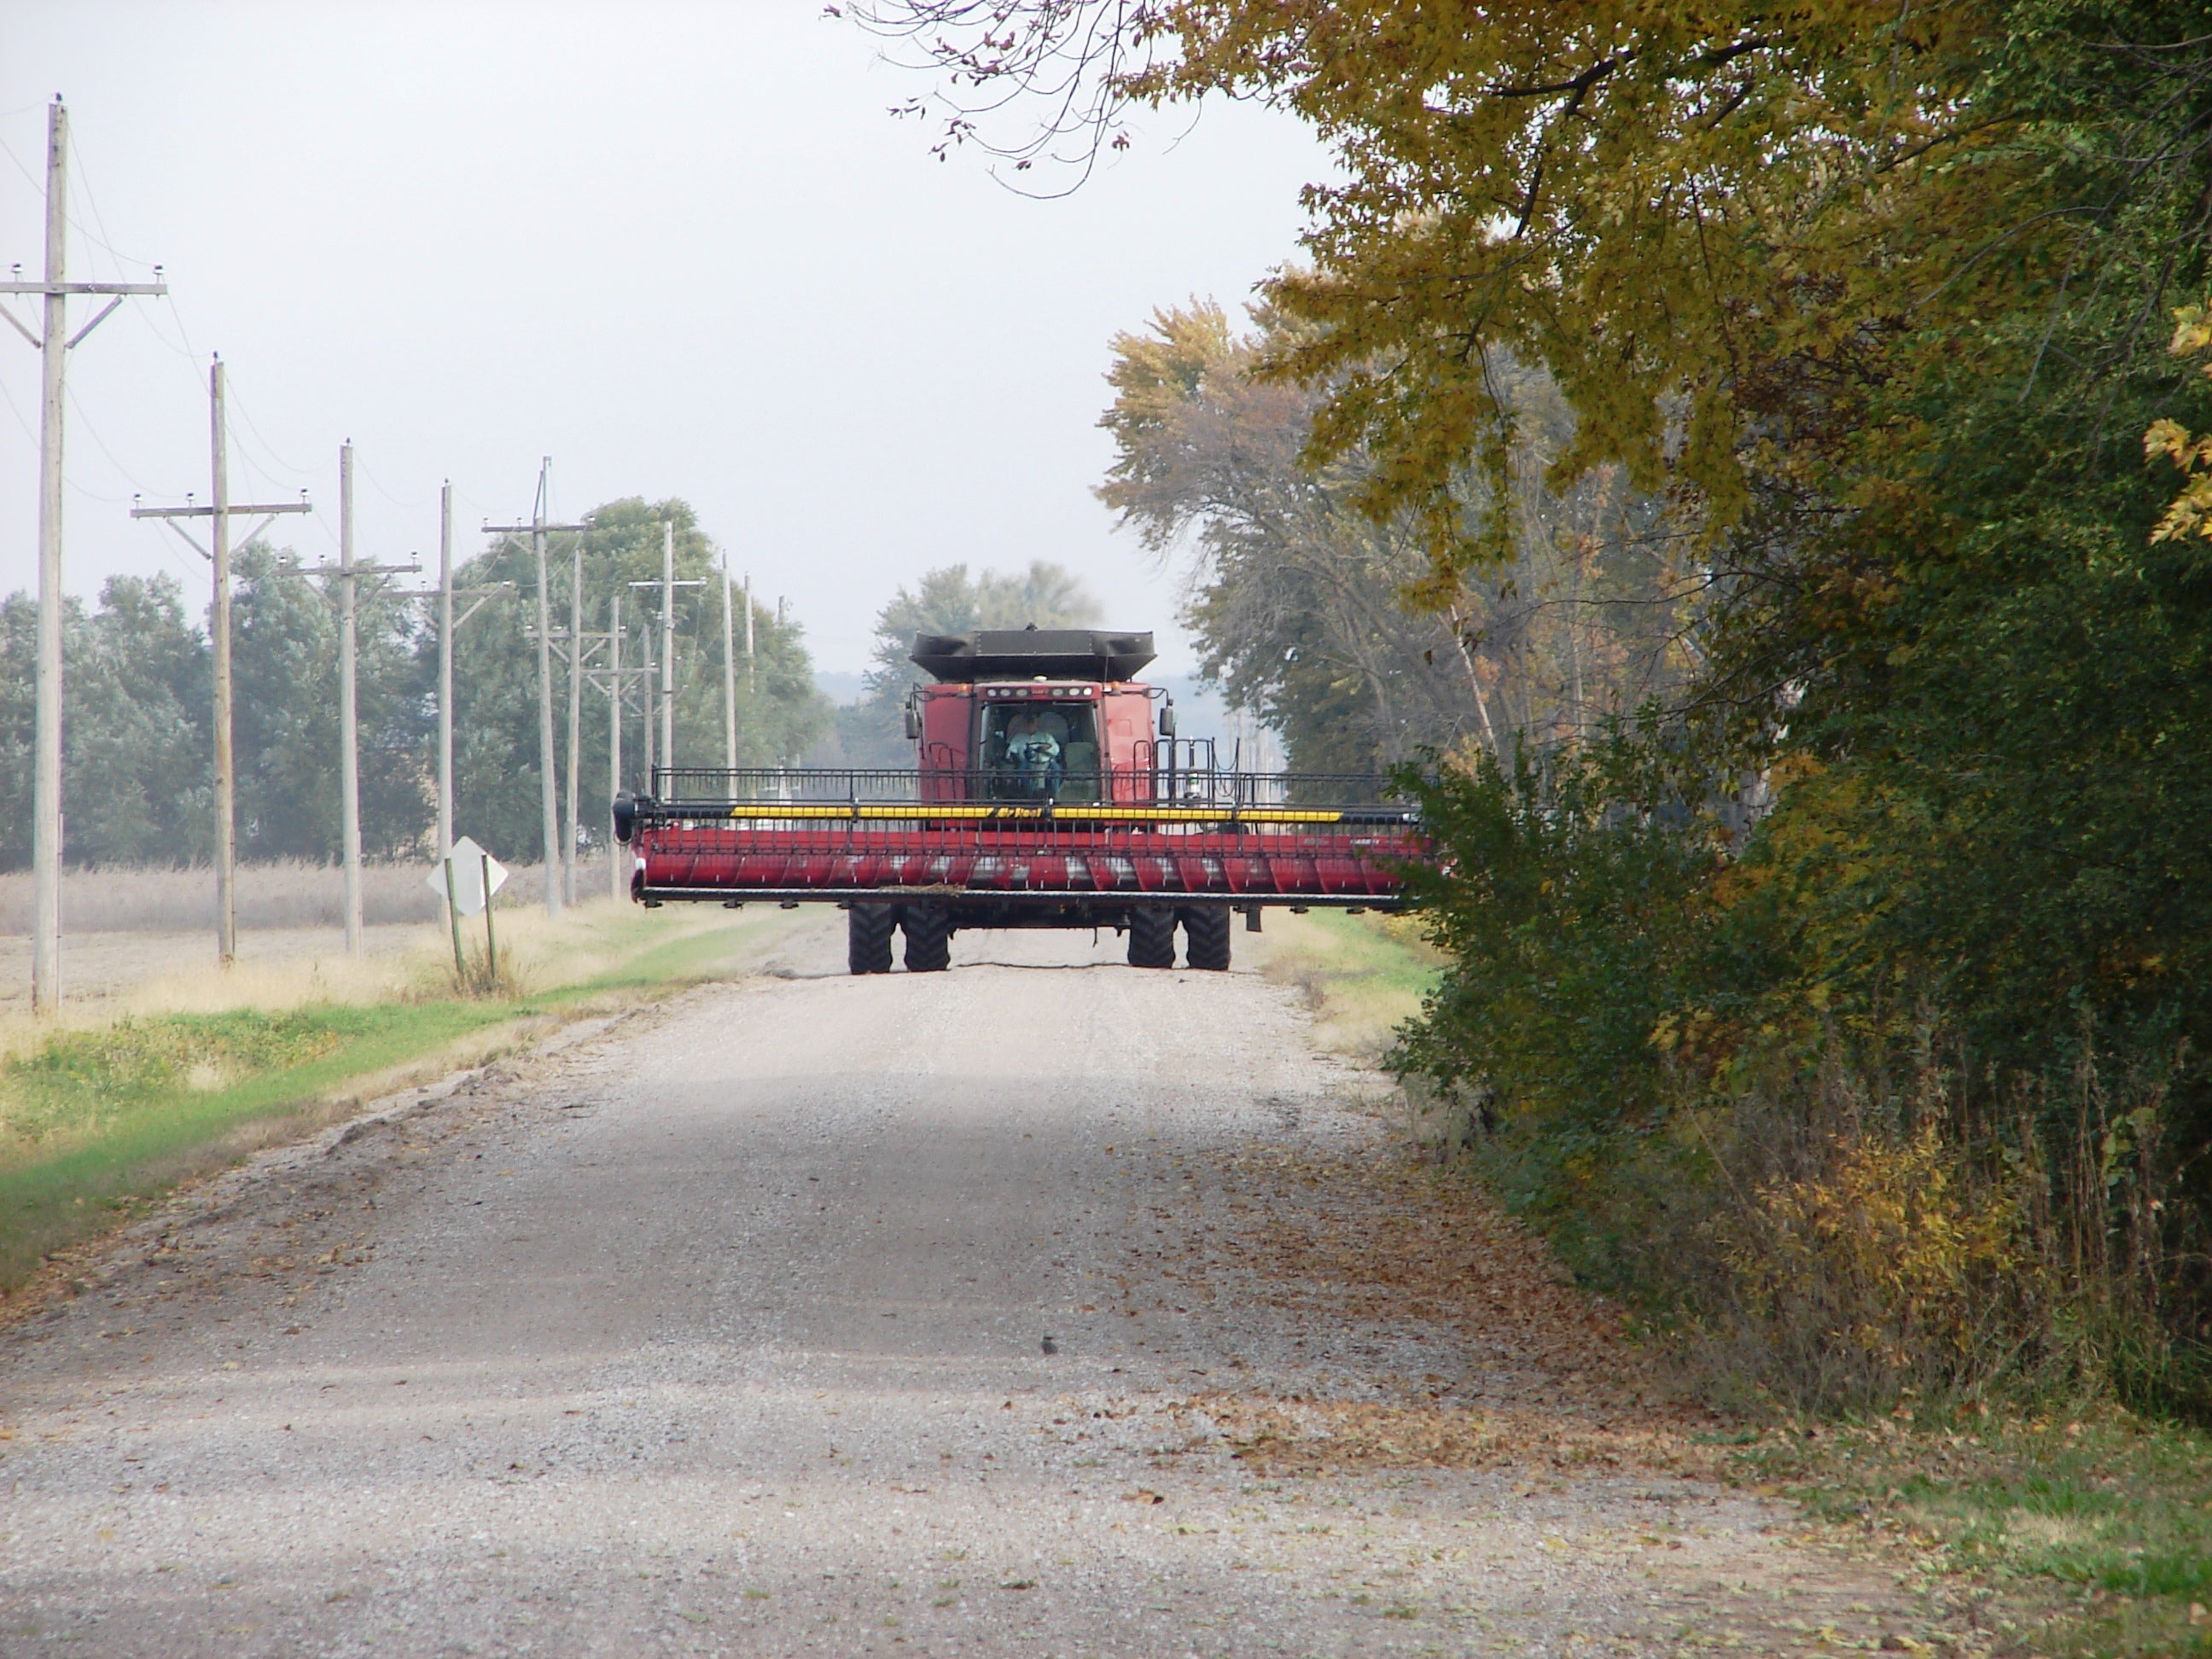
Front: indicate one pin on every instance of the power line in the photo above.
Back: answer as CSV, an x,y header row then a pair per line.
x,y
268,448
83,230
28,430
8,150
378,484
92,201
76,404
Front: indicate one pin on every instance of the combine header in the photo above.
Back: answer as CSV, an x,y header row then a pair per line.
x,y
1051,791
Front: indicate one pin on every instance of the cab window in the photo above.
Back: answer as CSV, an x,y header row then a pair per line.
x,y
1038,751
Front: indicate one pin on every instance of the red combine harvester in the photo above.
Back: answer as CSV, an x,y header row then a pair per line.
x,y
1049,791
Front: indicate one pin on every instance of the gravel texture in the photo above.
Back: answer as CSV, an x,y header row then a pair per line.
x,y
810,1314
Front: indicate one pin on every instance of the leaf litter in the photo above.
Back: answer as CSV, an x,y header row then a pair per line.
x,y
1450,1339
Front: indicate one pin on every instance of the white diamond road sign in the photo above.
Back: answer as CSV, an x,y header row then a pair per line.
x,y
471,864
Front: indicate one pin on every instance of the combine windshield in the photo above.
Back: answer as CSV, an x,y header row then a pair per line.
x,y
1034,752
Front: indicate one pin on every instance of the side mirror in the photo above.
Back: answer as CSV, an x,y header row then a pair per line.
x,y
1167,720
913,723
625,815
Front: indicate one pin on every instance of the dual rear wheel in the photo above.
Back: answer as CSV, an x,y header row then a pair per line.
x,y
868,937
1152,938
928,930
868,929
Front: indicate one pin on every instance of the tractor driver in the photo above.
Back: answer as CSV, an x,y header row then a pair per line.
x,y
1033,749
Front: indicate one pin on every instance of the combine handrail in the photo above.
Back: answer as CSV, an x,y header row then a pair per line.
x,y
861,793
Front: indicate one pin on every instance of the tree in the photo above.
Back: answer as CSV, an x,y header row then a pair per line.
x,y
949,600
137,778
1873,299
284,688
135,736
1326,622
780,713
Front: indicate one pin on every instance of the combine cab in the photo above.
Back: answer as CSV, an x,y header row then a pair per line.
x,y
1049,791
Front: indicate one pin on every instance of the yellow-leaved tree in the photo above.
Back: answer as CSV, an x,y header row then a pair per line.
x,y
2190,513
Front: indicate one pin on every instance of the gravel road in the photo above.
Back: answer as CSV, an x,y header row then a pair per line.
x,y
964,1314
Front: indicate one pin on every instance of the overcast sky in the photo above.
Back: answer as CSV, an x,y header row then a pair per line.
x,y
681,249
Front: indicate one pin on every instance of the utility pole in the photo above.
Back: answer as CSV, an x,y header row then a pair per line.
x,y
667,644
667,585
549,817
614,734
52,344
217,553
750,686
729,675
445,695
575,712
349,709
575,645
448,626
616,680
575,716
349,575
648,702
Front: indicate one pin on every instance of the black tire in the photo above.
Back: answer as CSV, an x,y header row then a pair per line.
x,y
1152,938
1205,938
928,939
868,939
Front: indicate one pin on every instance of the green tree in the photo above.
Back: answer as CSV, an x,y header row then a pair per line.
x,y
135,736
285,690
1874,298
780,713
948,600
138,780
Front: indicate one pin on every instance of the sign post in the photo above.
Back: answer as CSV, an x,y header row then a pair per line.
x,y
453,918
491,944
466,880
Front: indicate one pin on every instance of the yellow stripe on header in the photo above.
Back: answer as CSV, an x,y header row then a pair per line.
x,y
958,812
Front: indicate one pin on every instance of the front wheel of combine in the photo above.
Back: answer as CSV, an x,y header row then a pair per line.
x,y
1152,938
928,932
868,939
1205,938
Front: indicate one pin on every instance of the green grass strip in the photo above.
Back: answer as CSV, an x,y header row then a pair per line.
x,y
2102,1524
140,1138
98,1122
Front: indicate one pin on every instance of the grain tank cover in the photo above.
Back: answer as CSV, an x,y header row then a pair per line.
x,y
1021,654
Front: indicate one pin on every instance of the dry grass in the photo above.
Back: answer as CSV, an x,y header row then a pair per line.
x,y
289,894
143,970
1363,977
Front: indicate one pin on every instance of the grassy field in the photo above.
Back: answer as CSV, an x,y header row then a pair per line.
x,y
100,1120
1362,976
